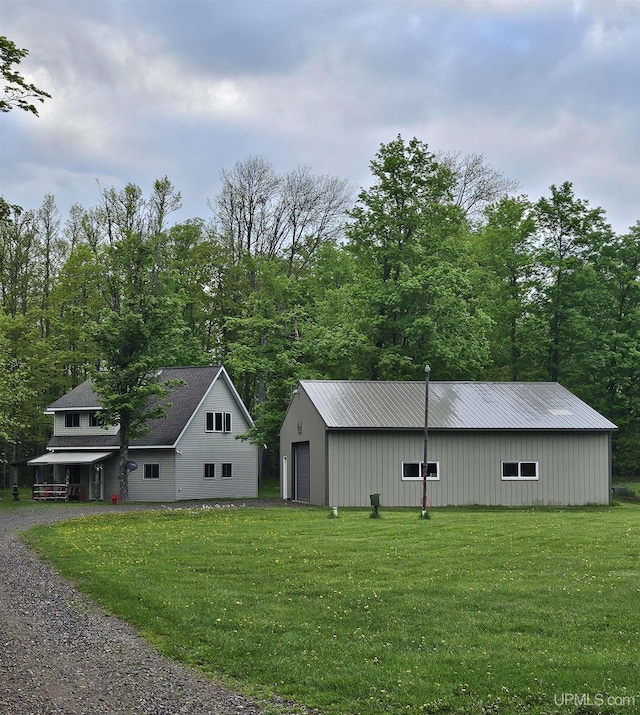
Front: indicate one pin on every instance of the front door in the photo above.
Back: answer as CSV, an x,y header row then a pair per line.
x,y
96,484
302,472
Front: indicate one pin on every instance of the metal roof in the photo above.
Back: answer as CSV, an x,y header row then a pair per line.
x,y
452,405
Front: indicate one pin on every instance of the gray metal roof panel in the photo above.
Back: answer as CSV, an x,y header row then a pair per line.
x,y
452,405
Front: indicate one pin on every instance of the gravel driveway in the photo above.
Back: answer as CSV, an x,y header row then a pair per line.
x,y
60,653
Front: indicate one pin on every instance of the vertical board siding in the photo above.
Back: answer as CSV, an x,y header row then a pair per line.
x,y
199,447
302,423
573,468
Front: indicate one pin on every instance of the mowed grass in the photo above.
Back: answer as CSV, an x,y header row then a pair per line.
x,y
473,611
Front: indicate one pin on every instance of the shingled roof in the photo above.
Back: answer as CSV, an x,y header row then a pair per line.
x,y
183,400
345,404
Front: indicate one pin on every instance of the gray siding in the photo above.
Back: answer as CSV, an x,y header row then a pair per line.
x,y
153,490
573,468
111,477
302,423
199,447
84,430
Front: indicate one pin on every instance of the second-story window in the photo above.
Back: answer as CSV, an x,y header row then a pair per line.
x,y
218,422
72,419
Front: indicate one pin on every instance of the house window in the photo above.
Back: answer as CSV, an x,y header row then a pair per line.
x,y
227,470
527,471
218,422
152,471
209,471
95,420
72,419
412,471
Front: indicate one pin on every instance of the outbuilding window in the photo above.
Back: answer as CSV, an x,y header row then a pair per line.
x,y
209,471
412,471
227,470
526,471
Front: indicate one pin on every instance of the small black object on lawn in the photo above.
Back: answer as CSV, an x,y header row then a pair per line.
x,y
375,503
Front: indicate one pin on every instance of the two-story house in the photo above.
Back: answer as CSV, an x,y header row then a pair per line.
x,y
192,453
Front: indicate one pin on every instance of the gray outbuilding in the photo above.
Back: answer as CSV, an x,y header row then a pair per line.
x,y
511,444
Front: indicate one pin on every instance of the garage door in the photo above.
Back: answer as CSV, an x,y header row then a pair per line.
x,y
302,467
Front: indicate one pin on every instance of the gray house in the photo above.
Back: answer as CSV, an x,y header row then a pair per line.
x,y
193,453
511,444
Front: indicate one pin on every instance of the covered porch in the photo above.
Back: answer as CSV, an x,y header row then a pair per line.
x,y
69,476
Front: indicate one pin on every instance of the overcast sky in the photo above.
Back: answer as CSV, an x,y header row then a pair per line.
x,y
547,90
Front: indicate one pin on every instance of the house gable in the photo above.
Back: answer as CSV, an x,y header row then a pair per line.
x,y
237,405
213,462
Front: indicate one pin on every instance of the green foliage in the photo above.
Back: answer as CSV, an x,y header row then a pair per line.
x,y
413,290
351,615
504,252
571,235
433,264
140,327
17,93
16,389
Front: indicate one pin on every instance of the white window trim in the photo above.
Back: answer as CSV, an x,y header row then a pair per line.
x,y
226,416
144,471
419,478
204,471
519,478
222,474
68,415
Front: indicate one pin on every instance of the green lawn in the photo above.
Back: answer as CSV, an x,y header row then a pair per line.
x,y
473,611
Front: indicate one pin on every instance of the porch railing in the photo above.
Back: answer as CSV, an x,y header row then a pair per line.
x,y
52,492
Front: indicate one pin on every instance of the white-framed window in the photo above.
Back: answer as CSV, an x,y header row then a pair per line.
x,y
210,471
95,419
72,419
217,422
412,471
519,470
151,471
227,470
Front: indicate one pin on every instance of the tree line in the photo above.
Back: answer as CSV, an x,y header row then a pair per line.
x,y
293,276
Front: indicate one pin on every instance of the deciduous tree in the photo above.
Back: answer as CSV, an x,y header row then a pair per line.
x,y
17,93
141,328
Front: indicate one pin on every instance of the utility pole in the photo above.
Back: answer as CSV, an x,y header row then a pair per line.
x,y
427,370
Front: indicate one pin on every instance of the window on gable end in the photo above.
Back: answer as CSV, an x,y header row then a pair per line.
x,y
218,422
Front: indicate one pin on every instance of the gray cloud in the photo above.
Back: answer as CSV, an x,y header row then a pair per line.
x,y
546,90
